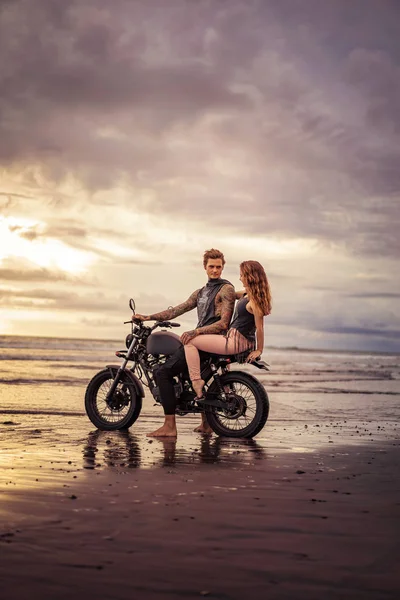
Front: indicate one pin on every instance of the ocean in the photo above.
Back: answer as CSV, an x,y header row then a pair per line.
x,y
317,398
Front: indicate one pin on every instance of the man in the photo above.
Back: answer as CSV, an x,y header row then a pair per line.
x,y
215,302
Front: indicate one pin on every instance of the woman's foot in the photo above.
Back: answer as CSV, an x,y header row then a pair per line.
x,y
198,385
204,426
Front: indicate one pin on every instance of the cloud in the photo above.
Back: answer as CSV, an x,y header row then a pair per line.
x,y
20,270
141,135
377,295
109,302
205,109
362,331
58,300
375,74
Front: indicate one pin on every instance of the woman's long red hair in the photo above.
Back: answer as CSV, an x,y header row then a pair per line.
x,y
257,285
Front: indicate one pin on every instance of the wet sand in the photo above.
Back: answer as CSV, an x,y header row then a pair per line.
x,y
213,517
307,510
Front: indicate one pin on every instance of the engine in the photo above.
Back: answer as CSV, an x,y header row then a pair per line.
x,y
163,342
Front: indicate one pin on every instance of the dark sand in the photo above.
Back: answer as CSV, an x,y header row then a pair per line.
x,y
258,524
309,510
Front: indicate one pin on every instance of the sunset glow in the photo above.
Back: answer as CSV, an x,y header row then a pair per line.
x,y
269,130
49,253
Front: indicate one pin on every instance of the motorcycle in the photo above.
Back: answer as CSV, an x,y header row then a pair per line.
x,y
235,403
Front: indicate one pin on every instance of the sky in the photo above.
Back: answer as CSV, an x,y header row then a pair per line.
x,y
134,135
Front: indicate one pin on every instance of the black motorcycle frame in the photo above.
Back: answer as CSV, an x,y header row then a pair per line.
x,y
136,352
147,355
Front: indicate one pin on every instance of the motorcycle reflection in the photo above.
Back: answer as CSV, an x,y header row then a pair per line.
x,y
121,449
210,451
124,450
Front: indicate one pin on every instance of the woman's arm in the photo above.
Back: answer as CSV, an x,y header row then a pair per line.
x,y
240,294
259,321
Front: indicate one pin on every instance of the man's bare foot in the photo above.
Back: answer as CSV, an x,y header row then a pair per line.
x,y
203,429
163,431
198,385
167,430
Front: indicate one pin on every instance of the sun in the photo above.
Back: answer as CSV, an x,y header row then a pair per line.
x,y
16,242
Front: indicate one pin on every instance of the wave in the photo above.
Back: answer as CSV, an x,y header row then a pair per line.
x,y
39,381
294,390
42,412
44,343
61,358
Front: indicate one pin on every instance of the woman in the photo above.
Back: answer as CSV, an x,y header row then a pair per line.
x,y
246,333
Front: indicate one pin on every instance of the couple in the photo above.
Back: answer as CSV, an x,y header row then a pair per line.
x,y
215,332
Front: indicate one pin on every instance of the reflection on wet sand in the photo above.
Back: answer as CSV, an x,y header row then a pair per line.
x,y
125,450
118,449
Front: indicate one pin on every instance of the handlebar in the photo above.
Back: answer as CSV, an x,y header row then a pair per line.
x,y
158,324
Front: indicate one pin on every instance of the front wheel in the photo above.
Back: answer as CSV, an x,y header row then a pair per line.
x,y
120,411
247,406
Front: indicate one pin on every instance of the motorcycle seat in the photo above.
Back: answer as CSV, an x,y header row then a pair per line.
x,y
228,357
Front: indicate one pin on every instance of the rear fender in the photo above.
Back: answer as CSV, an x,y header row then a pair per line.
x,y
260,364
136,382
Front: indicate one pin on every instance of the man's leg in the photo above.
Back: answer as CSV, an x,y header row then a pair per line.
x,y
164,378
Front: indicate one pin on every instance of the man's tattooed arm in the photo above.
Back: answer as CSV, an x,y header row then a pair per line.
x,y
172,313
227,295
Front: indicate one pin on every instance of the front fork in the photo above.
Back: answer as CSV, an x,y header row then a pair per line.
x,y
122,368
115,382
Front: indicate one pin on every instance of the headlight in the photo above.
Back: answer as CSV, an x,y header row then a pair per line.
x,y
128,340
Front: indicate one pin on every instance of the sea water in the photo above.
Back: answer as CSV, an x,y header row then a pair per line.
x,y
317,398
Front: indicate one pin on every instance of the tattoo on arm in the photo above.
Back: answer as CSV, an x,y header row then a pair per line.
x,y
175,311
227,296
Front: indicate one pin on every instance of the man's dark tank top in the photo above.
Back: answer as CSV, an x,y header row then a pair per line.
x,y
206,302
244,321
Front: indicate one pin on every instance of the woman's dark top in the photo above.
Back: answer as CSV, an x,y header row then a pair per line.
x,y
243,320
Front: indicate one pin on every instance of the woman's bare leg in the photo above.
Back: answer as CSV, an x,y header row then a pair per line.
x,y
198,385
209,343
216,344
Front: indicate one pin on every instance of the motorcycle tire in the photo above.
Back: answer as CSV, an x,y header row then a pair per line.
x,y
233,422
125,405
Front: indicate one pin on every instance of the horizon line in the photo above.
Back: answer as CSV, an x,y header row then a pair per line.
x,y
296,348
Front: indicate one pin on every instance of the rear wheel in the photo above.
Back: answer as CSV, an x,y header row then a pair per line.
x,y
121,411
247,406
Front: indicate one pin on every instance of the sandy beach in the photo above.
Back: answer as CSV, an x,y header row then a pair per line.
x,y
309,509
289,525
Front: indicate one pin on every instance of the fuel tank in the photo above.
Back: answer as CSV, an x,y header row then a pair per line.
x,y
163,342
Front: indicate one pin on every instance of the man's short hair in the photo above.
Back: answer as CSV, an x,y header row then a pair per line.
x,y
213,253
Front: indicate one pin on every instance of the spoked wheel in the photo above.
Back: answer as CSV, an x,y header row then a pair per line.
x,y
121,411
247,406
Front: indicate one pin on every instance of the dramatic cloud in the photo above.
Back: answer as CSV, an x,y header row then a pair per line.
x,y
136,134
